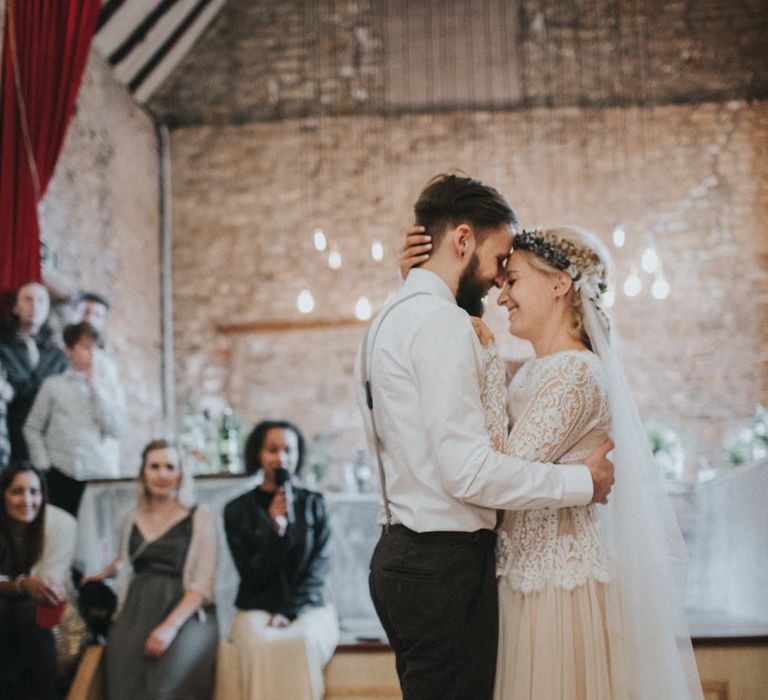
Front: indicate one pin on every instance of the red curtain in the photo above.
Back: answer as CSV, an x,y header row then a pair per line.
x,y
45,47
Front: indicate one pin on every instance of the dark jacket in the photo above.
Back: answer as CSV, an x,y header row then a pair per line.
x,y
26,383
279,574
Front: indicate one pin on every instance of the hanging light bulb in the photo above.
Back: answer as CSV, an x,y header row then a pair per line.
x,y
619,236
633,285
363,309
650,260
609,298
660,286
305,301
377,251
320,243
334,259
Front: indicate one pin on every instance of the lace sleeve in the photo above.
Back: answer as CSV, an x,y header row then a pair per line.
x,y
493,392
566,404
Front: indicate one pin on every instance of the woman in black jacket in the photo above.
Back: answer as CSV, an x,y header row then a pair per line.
x,y
279,537
28,355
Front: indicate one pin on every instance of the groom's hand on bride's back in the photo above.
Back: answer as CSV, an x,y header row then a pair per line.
x,y
601,469
416,249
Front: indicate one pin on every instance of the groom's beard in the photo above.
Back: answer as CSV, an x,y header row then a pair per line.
x,y
471,290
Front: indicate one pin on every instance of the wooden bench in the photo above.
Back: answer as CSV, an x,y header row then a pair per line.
x,y
363,670
87,684
357,671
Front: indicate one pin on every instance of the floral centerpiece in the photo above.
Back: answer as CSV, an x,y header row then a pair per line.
x,y
667,448
750,443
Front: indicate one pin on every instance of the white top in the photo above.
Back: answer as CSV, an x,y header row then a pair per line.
x,y
106,375
69,424
58,547
558,406
441,470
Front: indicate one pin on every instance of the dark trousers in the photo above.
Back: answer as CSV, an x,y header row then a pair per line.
x,y
27,653
436,596
64,491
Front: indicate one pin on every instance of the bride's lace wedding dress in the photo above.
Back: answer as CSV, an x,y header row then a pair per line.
x,y
559,635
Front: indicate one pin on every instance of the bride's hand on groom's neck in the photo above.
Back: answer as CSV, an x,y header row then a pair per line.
x,y
416,249
484,334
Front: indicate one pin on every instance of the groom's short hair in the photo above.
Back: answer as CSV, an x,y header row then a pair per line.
x,y
452,200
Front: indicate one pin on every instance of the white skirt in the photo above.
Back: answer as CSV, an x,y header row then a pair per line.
x,y
281,663
556,644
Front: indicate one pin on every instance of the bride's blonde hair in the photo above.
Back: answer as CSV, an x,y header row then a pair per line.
x,y
590,264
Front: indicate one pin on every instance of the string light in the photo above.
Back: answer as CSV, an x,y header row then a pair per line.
x,y
377,251
363,309
650,260
660,286
320,243
633,285
619,236
305,301
334,259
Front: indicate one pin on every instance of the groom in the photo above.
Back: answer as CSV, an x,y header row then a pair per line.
x,y
432,574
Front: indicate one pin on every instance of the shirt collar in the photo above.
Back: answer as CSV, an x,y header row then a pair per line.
x,y
427,281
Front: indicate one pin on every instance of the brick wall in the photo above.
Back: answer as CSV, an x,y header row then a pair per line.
x,y
100,216
264,60
247,198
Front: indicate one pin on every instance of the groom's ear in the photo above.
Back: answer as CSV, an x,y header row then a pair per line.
x,y
463,240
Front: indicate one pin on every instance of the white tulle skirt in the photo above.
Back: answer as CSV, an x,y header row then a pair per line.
x,y
556,644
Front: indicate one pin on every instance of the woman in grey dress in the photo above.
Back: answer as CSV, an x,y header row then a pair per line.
x,y
163,642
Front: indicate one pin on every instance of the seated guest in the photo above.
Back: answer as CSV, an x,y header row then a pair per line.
x,y
279,537
163,642
93,308
29,356
6,394
36,547
71,415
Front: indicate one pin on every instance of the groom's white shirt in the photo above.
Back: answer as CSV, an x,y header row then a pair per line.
x,y
441,471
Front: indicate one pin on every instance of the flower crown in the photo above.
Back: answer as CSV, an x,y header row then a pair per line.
x,y
555,256
534,241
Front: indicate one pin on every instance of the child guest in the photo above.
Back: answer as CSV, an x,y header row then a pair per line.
x,y
69,421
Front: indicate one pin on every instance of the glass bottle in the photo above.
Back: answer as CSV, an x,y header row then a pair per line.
x,y
229,458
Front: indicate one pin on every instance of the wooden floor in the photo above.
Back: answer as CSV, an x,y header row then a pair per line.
x,y
730,670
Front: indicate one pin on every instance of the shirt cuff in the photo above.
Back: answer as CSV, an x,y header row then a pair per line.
x,y
577,485
282,525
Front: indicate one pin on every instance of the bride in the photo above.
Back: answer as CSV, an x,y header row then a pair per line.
x,y
590,598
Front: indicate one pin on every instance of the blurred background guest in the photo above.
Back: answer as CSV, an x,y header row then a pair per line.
x,y
71,415
279,536
36,547
6,394
163,642
28,355
94,308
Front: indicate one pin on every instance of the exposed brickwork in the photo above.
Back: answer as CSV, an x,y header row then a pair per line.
x,y
253,182
265,60
247,198
100,216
